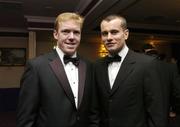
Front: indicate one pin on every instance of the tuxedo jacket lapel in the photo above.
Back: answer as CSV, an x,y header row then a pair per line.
x,y
104,74
59,71
125,70
82,77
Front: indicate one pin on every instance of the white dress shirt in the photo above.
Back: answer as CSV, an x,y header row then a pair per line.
x,y
71,73
113,68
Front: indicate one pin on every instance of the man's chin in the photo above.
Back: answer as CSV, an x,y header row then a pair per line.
x,y
111,50
70,52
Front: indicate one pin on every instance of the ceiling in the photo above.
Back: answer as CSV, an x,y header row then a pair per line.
x,y
158,16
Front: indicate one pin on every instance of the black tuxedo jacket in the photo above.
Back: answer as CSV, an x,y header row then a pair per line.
x,y
170,80
46,98
135,99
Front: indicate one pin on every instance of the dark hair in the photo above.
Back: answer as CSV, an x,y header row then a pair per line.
x,y
112,17
147,46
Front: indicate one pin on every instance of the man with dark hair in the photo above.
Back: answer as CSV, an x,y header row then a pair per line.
x,y
170,81
127,92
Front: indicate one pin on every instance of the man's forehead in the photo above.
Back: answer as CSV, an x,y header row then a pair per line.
x,y
117,20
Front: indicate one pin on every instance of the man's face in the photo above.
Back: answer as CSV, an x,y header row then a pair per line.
x,y
68,36
113,35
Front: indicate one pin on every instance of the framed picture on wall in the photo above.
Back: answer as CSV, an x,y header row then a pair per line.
x,y
12,56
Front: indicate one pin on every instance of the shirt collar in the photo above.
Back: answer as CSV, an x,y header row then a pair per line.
x,y
123,52
61,53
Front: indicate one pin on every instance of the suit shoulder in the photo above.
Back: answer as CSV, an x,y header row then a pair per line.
x,y
99,61
85,59
144,58
169,66
40,59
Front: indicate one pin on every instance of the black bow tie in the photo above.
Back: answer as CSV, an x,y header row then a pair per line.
x,y
115,58
74,60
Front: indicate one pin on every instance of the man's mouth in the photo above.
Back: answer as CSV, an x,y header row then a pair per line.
x,y
109,44
71,45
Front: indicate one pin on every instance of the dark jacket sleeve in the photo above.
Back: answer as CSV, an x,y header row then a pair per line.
x,y
175,87
153,97
94,108
28,97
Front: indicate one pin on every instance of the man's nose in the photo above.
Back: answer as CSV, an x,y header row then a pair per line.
x,y
109,36
71,35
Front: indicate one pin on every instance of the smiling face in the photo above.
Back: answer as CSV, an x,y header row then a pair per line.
x,y
68,36
113,35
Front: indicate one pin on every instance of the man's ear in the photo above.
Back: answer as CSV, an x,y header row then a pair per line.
x,y
126,33
55,34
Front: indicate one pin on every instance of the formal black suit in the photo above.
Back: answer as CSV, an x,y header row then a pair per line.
x,y
46,98
170,81
135,99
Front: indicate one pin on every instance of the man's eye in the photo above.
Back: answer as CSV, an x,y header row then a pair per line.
x,y
113,32
76,32
104,33
65,31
